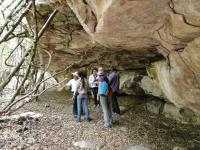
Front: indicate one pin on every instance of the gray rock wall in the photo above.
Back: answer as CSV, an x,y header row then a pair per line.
x,y
133,83
169,110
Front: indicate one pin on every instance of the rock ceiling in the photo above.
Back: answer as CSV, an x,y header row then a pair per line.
x,y
131,34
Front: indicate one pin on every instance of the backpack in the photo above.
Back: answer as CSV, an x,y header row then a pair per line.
x,y
110,93
103,88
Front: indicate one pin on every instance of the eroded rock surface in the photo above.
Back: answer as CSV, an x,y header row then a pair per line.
x,y
131,35
136,83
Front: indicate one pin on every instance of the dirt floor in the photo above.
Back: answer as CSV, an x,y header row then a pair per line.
x,y
58,130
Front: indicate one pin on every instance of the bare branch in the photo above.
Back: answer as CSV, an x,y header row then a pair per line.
x,y
9,5
28,99
31,57
16,24
8,107
50,87
49,62
15,69
35,22
1,2
19,43
23,81
19,35
42,65
47,23
9,16
31,94
27,52
31,50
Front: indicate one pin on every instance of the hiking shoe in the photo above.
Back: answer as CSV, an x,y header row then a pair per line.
x,y
116,114
89,119
78,120
108,126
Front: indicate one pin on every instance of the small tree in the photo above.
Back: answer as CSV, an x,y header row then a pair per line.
x,y
18,45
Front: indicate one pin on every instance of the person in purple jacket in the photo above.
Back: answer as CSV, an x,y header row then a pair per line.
x,y
114,80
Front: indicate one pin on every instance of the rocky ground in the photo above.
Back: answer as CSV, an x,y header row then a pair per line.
x,y
57,129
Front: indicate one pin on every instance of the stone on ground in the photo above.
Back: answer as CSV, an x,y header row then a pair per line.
x,y
20,117
88,144
179,148
138,147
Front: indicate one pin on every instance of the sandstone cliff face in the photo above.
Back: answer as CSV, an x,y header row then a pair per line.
x,y
180,80
131,34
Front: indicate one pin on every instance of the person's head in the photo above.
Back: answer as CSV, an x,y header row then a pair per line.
x,y
80,74
101,78
100,71
94,71
75,75
113,69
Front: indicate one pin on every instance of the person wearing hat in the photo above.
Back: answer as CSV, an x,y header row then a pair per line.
x,y
72,84
104,92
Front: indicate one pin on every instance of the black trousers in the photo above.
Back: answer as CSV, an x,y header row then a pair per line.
x,y
75,106
115,105
94,92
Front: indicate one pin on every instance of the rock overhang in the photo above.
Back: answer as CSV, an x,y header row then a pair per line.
x,y
130,35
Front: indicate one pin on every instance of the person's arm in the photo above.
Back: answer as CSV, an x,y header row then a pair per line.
x,y
98,95
69,85
87,85
110,78
118,78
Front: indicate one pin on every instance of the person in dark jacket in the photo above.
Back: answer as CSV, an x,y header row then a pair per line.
x,y
114,81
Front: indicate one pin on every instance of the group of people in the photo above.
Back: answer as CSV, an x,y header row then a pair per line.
x,y
104,91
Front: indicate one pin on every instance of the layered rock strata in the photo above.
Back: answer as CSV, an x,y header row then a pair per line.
x,y
131,34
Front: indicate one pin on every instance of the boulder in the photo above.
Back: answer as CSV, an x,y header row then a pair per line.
x,y
150,87
181,115
129,83
134,83
155,106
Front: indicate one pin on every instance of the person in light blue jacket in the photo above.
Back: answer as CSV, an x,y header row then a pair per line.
x,y
103,92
